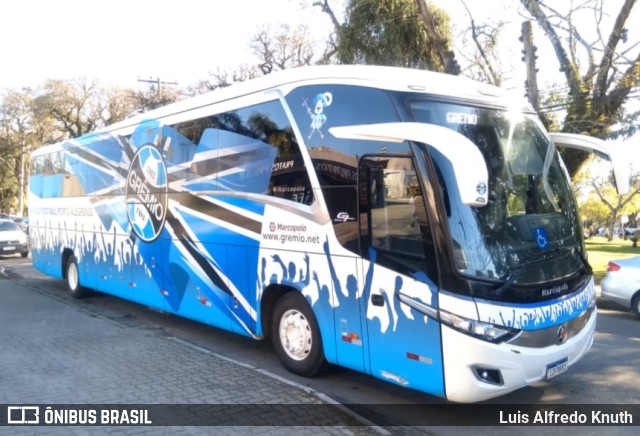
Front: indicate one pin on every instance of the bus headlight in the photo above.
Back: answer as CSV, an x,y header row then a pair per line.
x,y
481,330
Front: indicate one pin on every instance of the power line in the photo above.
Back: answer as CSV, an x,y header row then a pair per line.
x,y
569,100
157,82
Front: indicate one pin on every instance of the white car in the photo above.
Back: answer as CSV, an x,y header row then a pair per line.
x,y
13,239
621,284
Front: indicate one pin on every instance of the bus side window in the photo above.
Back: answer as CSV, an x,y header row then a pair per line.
x,y
259,146
251,149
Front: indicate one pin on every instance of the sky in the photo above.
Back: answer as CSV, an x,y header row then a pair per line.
x,y
119,41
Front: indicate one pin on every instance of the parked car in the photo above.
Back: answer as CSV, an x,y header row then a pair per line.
x,y
12,239
621,284
629,232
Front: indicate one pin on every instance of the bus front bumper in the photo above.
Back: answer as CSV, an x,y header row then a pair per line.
x,y
476,370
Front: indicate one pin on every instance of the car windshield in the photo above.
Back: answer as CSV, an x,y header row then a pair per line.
x,y
8,226
531,218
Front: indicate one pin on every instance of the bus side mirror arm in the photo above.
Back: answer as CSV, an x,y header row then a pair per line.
x,y
621,173
469,166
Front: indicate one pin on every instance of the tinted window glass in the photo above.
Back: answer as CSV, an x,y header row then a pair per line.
x,y
318,108
54,175
528,231
251,149
8,226
393,216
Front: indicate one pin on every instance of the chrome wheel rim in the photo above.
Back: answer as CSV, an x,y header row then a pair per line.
x,y
295,334
72,276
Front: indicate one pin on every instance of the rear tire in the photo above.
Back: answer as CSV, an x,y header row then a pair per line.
x,y
296,336
73,279
24,254
635,304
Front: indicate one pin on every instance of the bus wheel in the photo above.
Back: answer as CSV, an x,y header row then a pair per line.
x,y
635,304
73,279
296,337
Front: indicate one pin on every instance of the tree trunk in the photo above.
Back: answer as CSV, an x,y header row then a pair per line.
x,y
612,225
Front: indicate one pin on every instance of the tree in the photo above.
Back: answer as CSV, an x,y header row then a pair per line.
x,y
406,33
283,49
274,50
618,205
600,71
20,131
55,111
594,211
483,61
604,204
75,106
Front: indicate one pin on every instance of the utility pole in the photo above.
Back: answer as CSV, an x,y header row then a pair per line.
x,y
530,62
21,190
157,82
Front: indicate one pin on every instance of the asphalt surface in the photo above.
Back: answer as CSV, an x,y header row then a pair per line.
x,y
53,353
58,352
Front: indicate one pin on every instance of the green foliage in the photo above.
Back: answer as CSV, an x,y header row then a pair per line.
x,y
57,110
600,252
601,66
599,202
594,211
392,32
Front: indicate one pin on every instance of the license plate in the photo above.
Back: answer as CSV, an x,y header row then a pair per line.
x,y
9,248
557,368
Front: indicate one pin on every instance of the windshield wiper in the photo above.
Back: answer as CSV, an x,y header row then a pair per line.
x,y
513,276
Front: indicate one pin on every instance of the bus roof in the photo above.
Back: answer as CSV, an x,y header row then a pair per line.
x,y
383,77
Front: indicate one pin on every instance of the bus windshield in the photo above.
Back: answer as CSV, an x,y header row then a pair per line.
x,y
531,218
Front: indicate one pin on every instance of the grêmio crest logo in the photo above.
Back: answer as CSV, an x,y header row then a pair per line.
x,y
147,193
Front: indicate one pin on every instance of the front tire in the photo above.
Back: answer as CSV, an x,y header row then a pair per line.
x,y
296,336
72,275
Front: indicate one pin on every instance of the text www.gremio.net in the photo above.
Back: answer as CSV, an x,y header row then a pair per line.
x,y
289,233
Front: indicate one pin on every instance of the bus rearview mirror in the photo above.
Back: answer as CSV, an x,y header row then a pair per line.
x,y
469,167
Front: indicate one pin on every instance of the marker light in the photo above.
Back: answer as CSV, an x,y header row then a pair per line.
x,y
613,267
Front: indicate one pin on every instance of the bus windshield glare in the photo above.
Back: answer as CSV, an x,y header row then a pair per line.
x,y
531,216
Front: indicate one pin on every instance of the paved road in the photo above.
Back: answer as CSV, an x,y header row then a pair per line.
x,y
56,352
106,350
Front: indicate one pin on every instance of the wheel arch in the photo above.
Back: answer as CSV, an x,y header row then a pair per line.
x,y
270,296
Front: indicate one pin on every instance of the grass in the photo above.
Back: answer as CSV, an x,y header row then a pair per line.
x,y
602,251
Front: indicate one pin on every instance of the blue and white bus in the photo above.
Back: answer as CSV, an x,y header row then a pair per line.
x,y
414,226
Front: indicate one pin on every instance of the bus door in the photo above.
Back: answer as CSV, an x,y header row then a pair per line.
x,y
399,298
